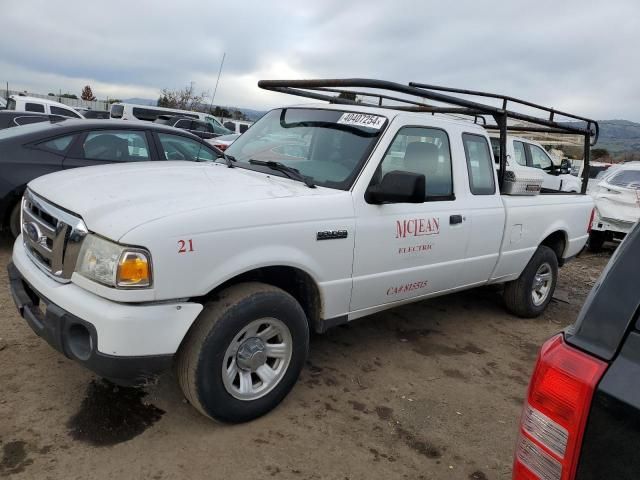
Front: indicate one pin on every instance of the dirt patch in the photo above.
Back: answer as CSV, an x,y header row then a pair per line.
x,y
423,447
384,413
14,458
110,414
427,390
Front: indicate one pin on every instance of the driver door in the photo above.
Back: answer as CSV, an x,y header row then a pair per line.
x,y
408,250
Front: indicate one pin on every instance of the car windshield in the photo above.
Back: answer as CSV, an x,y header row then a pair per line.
x,y
328,146
626,179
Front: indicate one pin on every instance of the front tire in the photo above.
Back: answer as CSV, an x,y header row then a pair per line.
x,y
14,220
529,295
244,353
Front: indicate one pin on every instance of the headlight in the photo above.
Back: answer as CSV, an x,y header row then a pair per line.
x,y
114,265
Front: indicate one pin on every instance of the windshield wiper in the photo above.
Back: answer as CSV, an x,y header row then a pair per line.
x,y
290,172
229,159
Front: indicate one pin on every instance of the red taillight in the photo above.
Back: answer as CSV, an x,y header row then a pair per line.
x,y
221,146
593,214
555,414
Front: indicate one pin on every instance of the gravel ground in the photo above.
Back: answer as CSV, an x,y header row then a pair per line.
x,y
431,390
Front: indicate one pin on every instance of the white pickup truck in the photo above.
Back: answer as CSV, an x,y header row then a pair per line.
x,y
524,154
320,214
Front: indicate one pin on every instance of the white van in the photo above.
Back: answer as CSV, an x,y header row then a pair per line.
x,y
149,113
40,105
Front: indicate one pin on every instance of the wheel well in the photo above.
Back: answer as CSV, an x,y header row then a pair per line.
x,y
12,199
294,281
557,242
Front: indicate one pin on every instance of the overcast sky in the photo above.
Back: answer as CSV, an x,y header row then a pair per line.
x,y
567,54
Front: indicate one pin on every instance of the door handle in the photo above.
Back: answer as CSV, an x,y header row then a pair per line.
x,y
455,219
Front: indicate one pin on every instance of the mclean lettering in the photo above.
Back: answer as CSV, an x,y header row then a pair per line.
x,y
417,227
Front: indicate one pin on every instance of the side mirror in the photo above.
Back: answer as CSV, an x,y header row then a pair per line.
x,y
565,166
398,187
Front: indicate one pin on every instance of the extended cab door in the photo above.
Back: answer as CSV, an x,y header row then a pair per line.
x,y
407,250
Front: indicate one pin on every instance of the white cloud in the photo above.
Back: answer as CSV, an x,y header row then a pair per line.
x,y
570,55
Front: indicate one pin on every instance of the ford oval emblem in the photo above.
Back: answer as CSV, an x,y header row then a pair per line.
x,y
32,231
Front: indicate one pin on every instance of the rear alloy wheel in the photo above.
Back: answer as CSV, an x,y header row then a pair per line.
x,y
529,295
244,353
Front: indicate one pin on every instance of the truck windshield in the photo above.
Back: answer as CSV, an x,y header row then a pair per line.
x,y
328,146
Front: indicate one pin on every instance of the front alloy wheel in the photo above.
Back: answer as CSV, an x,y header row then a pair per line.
x,y
257,359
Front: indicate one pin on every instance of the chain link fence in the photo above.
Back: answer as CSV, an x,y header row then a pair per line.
x,y
71,102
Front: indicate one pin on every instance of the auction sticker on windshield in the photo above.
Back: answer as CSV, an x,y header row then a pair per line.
x,y
362,120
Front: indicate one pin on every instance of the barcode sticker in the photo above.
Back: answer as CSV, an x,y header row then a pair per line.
x,y
362,120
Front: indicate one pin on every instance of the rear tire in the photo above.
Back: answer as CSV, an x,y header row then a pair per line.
x,y
596,240
231,365
529,295
14,220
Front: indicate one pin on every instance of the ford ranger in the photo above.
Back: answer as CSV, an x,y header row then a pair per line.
x,y
316,216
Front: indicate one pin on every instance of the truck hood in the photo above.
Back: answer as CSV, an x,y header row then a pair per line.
x,y
113,199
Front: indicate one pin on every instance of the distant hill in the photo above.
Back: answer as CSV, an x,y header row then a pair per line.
x,y
250,113
619,136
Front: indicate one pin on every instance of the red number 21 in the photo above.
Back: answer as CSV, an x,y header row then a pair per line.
x,y
185,246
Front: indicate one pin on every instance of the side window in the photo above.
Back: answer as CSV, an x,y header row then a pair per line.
x,y
116,146
479,165
65,112
521,157
29,119
199,126
495,146
59,144
181,148
424,151
34,107
244,128
539,158
230,125
183,124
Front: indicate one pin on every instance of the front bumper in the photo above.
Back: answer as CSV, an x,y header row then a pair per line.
x,y
77,338
127,343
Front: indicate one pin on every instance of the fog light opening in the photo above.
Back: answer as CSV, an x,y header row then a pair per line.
x,y
80,342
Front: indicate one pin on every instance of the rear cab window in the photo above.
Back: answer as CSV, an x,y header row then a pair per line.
x,y
479,165
520,154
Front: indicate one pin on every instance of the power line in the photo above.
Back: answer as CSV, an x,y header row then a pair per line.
x,y
218,80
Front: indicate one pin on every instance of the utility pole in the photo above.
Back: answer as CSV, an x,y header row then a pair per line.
x,y
217,81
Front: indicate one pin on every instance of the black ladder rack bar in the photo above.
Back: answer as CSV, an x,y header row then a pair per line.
x,y
432,92
500,97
